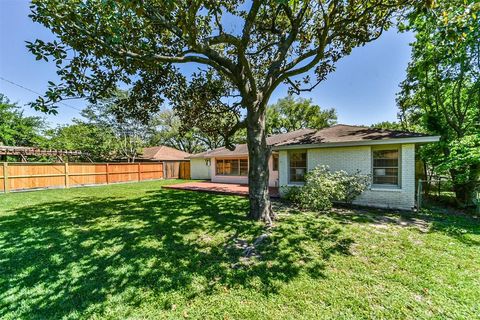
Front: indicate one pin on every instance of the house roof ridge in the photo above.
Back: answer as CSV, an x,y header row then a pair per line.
x,y
163,152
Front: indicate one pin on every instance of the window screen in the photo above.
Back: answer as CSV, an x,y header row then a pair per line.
x,y
298,166
385,167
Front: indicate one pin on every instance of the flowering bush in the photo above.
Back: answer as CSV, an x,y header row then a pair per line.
x,y
323,186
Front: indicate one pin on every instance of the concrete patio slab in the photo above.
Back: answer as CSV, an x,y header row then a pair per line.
x,y
218,188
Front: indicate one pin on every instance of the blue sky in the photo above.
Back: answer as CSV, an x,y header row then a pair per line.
x,y
362,89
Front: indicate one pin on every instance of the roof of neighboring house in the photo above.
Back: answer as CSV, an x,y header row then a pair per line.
x,y
242,150
163,153
339,134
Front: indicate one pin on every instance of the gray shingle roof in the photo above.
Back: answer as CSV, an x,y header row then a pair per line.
x,y
347,133
336,134
242,150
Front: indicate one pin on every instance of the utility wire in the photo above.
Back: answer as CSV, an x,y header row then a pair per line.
x,y
25,88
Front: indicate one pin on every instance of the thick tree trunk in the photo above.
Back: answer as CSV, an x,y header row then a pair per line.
x,y
258,153
465,192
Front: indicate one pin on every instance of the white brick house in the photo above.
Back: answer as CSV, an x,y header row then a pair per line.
x,y
388,156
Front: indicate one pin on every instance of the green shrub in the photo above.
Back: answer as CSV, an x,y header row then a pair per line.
x,y
323,186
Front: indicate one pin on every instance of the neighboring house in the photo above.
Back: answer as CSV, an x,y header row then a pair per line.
x,y
388,156
172,159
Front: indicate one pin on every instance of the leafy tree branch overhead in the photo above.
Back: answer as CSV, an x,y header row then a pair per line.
x,y
266,43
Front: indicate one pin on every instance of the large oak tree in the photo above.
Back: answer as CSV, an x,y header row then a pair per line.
x,y
254,45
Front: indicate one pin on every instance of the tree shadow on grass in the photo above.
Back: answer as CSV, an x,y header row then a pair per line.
x,y
72,258
463,227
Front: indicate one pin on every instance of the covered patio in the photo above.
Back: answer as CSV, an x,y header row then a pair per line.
x,y
219,188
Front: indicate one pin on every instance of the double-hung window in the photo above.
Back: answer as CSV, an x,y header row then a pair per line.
x,y
386,167
298,166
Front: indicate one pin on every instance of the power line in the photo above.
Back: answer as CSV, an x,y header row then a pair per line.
x,y
28,89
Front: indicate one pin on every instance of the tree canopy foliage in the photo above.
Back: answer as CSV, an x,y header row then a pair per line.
x,y
99,143
441,93
16,129
168,130
389,125
290,114
107,131
129,132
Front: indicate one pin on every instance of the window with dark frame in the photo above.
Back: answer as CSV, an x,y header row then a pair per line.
x,y
219,167
275,162
386,167
243,167
231,167
298,166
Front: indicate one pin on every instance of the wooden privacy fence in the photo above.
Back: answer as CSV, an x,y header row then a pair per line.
x,y
25,176
176,169
184,170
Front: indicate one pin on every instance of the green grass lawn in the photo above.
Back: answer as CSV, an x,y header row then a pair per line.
x,y
137,251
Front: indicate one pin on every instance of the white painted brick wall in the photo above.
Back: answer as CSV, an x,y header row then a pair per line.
x,y
199,169
283,167
352,159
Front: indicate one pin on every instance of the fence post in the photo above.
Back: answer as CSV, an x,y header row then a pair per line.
x,y
108,174
439,186
477,201
139,172
419,194
5,177
67,171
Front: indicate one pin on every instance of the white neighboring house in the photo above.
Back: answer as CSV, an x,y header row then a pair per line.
x,y
388,156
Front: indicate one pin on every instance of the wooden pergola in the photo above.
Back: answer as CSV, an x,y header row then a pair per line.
x,y
24,152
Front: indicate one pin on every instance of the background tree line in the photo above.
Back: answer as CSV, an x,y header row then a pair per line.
x,y
108,133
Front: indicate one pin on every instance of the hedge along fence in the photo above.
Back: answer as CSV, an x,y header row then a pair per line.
x,y
30,176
